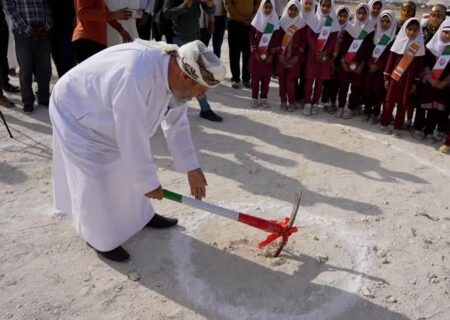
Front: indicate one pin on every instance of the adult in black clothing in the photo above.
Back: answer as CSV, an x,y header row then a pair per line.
x,y
63,14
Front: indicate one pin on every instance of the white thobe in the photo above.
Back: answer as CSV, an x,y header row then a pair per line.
x,y
129,25
104,112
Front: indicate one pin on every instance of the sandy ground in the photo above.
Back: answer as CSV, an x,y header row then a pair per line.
x,y
373,240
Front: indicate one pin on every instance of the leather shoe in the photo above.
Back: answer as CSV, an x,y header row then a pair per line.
x,y
211,116
160,222
118,254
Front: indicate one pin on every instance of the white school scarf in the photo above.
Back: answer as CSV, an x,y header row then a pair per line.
x,y
286,22
323,18
309,18
402,42
382,37
260,20
436,45
355,27
338,10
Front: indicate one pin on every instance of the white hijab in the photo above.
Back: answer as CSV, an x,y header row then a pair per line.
x,y
309,18
260,20
286,22
346,9
402,41
374,20
392,30
355,27
335,26
436,45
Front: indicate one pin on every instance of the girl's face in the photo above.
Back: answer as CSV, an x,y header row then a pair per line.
x,y
268,8
361,15
376,8
412,31
325,7
445,36
292,11
342,17
385,23
308,5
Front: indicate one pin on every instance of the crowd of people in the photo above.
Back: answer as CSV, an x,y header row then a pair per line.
x,y
346,63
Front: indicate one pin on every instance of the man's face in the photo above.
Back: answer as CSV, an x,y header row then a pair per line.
x,y
437,16
376,8
189,89
361,15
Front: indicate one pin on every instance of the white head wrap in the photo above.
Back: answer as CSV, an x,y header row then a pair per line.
x,y
436,45
402,41
260,20
286,22
392,30
309,18
373,20
335,26
355,27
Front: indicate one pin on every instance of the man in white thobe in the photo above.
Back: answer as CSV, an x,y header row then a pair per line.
x,y
104,112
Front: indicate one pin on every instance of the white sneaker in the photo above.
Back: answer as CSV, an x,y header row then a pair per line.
x,y
339,113
264,103
254,103
347,113
314,109
307,109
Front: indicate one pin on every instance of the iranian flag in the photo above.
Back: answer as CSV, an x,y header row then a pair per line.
x,y
381,46
265,39
356,44
324,34
441,63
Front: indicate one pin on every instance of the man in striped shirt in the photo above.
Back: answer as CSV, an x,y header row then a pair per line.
x,y
32,23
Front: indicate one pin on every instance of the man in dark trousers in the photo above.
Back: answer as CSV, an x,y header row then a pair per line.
x,y
4,37
144,24
240,15
185,15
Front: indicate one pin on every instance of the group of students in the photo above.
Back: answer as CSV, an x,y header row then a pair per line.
x,y
328,58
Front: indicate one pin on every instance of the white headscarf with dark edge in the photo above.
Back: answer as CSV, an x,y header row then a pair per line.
x,y
355,27
309,18
335,26
392,30
286,22
260,20
402,41
346,9
436,45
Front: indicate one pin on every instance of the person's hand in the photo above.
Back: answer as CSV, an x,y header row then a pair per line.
x,y
197,182
413,88
373,68
209,3
386,84
125,36
360,68
188,3
210,28
345,65
155,194
142,21
257,57
121,14
442,85
433,82
269,59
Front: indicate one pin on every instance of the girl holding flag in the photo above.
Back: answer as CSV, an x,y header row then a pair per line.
x,y
374,90
434,93
263,45
331,87
354,51
402,72
321,39
292,33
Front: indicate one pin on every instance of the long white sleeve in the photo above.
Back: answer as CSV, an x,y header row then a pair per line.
x,y
179,141
130,114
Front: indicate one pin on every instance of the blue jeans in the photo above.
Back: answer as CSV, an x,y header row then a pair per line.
x,y
203,102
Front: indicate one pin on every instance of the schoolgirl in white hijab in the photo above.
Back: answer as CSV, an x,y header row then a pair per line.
x,y
356,26
383,38
402,41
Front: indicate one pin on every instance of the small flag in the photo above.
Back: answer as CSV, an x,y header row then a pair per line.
x,y
354,47
324,34
441,63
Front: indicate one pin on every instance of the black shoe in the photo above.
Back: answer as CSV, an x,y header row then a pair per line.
x,y
12,72
43,104
235,84
117,254
211,116
28,108
160,222
10,88
246,84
